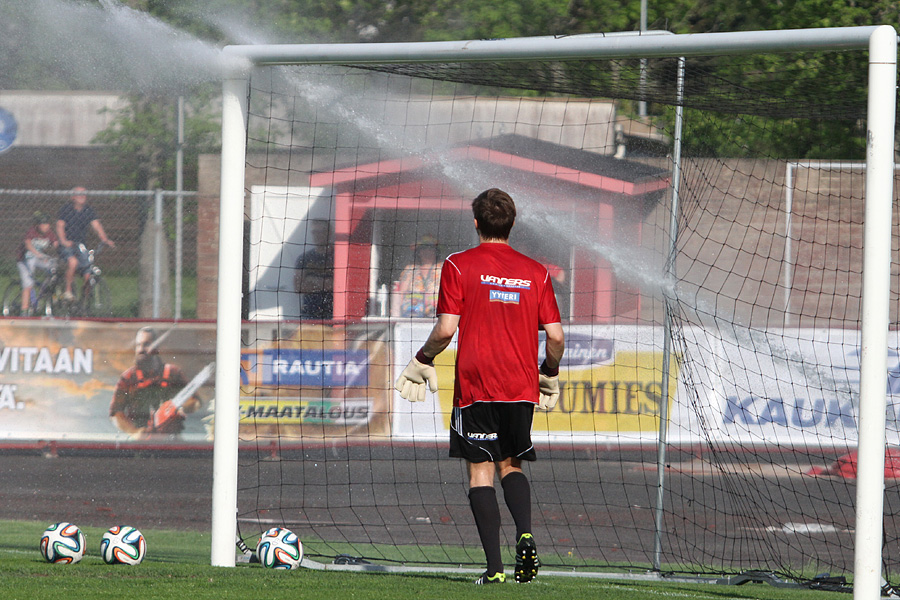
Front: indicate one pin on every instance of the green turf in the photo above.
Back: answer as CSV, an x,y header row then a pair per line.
x,y
177,567
124,294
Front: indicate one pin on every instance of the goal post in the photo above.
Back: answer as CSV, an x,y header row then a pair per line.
x,y
882,115
228,310
879,41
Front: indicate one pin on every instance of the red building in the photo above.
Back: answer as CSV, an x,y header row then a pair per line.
x,y
572,205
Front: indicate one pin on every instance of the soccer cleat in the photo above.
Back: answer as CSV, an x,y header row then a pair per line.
x,y
527,562
495,578
68,296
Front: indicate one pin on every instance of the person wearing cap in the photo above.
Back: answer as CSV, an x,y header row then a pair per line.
x,y
420,280
35,254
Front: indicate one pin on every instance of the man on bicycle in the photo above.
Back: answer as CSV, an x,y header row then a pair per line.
x,y
35,254
71,226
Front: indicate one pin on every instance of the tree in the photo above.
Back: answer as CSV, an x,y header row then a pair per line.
x,y
143,134
144,138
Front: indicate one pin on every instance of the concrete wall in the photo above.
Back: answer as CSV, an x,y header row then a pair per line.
x,y
208,235
57,168
60,119
733,239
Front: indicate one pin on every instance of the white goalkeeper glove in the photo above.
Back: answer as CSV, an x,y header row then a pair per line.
x,y
548,385
411,383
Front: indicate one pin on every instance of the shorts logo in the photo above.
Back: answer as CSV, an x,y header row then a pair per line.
x,y
482,437
506,297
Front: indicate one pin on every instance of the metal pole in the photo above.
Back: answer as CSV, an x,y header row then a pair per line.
x,y
667,326
788,250
881,119
157,250
179,208
642,106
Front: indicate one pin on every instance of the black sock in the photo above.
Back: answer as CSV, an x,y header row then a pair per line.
x,y
517,494
486,511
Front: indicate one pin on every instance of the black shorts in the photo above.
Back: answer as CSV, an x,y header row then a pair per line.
x,y
492,431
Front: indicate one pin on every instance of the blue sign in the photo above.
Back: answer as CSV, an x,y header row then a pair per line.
x,y
313,367
8,129
505,297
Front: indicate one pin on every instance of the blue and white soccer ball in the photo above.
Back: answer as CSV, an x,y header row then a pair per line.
x,y
123,545
62,543
279,548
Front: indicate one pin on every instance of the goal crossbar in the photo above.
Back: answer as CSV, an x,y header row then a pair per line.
x,y
647,44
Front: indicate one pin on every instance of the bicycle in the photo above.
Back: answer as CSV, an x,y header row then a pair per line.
x,y
44,295
94,298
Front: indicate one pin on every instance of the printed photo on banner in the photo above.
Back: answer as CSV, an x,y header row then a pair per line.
x,y
99,381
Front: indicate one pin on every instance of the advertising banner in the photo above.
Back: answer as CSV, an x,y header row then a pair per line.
x,y
317,382
792,387
58,380
610,386
87,381
785,386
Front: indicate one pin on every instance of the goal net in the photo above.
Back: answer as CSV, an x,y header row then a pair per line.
x,y
703,221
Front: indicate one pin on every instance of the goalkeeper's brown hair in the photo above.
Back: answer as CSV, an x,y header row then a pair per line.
x,y
495,212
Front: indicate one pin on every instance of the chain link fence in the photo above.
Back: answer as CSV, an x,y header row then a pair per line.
x,y
151,270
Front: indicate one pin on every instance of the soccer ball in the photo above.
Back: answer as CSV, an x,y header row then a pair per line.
x,y
279,548
62,543
123,545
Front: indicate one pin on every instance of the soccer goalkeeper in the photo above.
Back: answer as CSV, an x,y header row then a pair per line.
x,y
498,298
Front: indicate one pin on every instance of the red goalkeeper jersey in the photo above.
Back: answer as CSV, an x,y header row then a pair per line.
x,y
502,298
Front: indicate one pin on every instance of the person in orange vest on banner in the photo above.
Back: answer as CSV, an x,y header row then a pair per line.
x,y
419,280
141,404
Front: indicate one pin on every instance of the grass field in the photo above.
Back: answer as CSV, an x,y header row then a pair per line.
x,y
177,567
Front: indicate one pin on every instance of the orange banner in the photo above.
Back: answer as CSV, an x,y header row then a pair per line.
x,y
59,378
59,381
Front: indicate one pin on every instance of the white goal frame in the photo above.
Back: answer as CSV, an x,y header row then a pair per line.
x,y
881,43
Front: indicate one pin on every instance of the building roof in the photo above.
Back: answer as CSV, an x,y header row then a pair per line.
x,y
519,156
